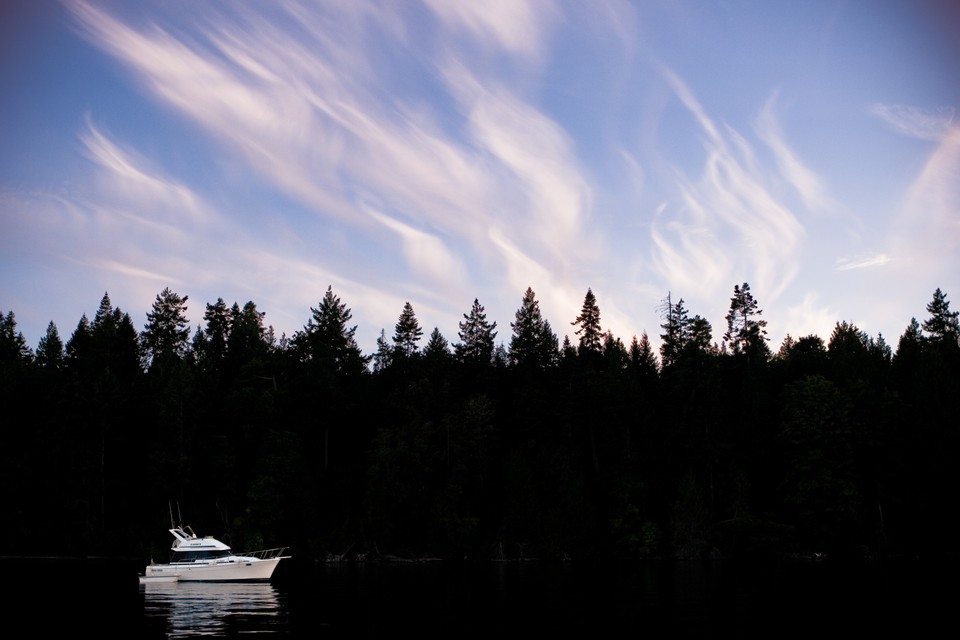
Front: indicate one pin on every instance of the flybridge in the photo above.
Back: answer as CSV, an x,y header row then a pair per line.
x,y
186,537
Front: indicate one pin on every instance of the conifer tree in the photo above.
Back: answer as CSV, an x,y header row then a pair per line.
x,y
407,333
217,317
437,347
476,337
848,352
80,343
13,346
328,341
882,350
437,352
642,359
381,358
50,351
615,352
567,350
247,337
700,335
942,326
746,333
675,333
105,319
115,345
909,349
590,332
804,356
166,334
784,351
533,342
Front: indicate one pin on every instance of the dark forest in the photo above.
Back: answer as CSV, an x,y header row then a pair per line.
x,y
503,443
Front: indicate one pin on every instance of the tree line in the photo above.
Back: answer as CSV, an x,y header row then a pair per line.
x,y
537,447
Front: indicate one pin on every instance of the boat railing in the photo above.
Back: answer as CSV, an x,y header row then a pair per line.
x,y
265,554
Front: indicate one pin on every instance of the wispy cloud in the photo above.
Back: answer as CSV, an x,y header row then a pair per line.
x,y
736,227
689,100
125,269
541,196
925,124
807,183
688,255
862,261
426,253
129,176
927,229
515,26
303,106
234,81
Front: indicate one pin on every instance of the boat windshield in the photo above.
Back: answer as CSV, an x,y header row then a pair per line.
x,y
199,554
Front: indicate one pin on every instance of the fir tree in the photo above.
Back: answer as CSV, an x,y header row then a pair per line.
x,y
247,337
436,353
784,351
217,317
591,335
166,334
615,353
803,357
675,333
942,326
328,340
437,346
642,359
381,358
746,333
13,346
407,333
50,351
80,344
533,343
909,349
476,337
115,345
700,335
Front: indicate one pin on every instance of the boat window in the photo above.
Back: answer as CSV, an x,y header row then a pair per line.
x,y
203,554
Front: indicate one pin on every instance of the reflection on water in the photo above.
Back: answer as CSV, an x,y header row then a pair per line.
x,y
653,599
212,608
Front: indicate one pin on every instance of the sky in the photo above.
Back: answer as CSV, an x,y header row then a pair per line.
x,y
441,151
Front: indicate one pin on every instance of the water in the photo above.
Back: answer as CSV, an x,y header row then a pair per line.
x,y
433,599
193,609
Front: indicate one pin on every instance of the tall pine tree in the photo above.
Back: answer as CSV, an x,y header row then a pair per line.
x,y
942,325
166,334
590,332
746,332
675,334
533,343
407,333
476,337
50,353
328,340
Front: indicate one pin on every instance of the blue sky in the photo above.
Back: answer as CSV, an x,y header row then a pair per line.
x,y
440,151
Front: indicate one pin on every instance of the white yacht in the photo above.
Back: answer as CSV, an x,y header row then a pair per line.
x,y
206,559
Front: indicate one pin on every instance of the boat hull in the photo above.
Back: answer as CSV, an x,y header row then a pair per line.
x,y
159,578
234,571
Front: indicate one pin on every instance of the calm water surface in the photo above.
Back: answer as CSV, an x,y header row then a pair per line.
x,y
439,599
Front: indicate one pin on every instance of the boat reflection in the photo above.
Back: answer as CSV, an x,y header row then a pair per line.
x,y
213,608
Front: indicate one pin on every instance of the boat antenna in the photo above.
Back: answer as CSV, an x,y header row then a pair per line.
x,y
174,523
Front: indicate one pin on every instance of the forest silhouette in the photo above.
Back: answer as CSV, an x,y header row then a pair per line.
x,y
530,446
